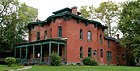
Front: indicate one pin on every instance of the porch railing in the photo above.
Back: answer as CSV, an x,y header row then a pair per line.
x,y
37,61
34,61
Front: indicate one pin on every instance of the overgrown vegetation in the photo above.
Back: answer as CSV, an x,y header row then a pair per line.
x,y
129,25
89,61
14,16
107,12
10,61
55,59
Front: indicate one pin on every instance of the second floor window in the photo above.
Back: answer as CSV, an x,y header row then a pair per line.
x,y
51,33
108,43
45,34
38,36
100,39
89,36
59,31
81,34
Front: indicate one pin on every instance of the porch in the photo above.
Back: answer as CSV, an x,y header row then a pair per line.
x,y
39,52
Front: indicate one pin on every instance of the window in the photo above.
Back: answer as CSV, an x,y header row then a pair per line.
x,y
109,56
89,36
60,51
117,57
95,25
123,57
51,33
59,31
81,52
101,52
89,52
100,39
38,36
95,53
45,34
81,34
108,43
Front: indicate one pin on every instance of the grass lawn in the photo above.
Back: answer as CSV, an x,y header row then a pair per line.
x,y
6,68
83,68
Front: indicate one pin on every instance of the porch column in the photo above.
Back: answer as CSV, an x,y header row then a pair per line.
x,y
41,54
33,51
20,53
26,51
15,53
49,59
65,51
49,48
58,49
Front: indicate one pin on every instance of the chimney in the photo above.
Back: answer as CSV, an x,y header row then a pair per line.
x,y
74,10
117,36
37,20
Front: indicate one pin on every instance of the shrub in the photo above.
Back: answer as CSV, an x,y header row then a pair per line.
x,y
93,62
10,61
89,61
55,59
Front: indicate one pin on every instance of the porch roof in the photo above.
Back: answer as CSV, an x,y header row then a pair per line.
x,y
46,41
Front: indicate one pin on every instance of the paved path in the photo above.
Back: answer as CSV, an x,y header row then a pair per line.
x,y
24,68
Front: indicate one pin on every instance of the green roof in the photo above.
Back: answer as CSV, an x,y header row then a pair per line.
x,y
65,13
41,41
62,10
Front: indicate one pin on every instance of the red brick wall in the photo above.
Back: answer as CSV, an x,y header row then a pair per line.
x,y
71,31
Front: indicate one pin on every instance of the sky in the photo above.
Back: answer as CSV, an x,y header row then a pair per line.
x,y
46,7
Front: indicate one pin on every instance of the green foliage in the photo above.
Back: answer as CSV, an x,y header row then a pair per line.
x,y
107,12
89,61
55,59
10,61
75,68
14,16
129,25
84,12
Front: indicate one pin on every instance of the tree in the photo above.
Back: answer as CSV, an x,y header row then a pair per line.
x,y
14,16
129,25
106,12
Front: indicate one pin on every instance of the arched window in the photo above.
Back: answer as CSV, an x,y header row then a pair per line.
x,y
89,36
101,52
81,52
81,34
109,56
89,52
100,39
51,33
59,31
45,34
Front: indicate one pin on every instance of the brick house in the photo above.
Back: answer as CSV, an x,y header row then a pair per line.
x,y
72,37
